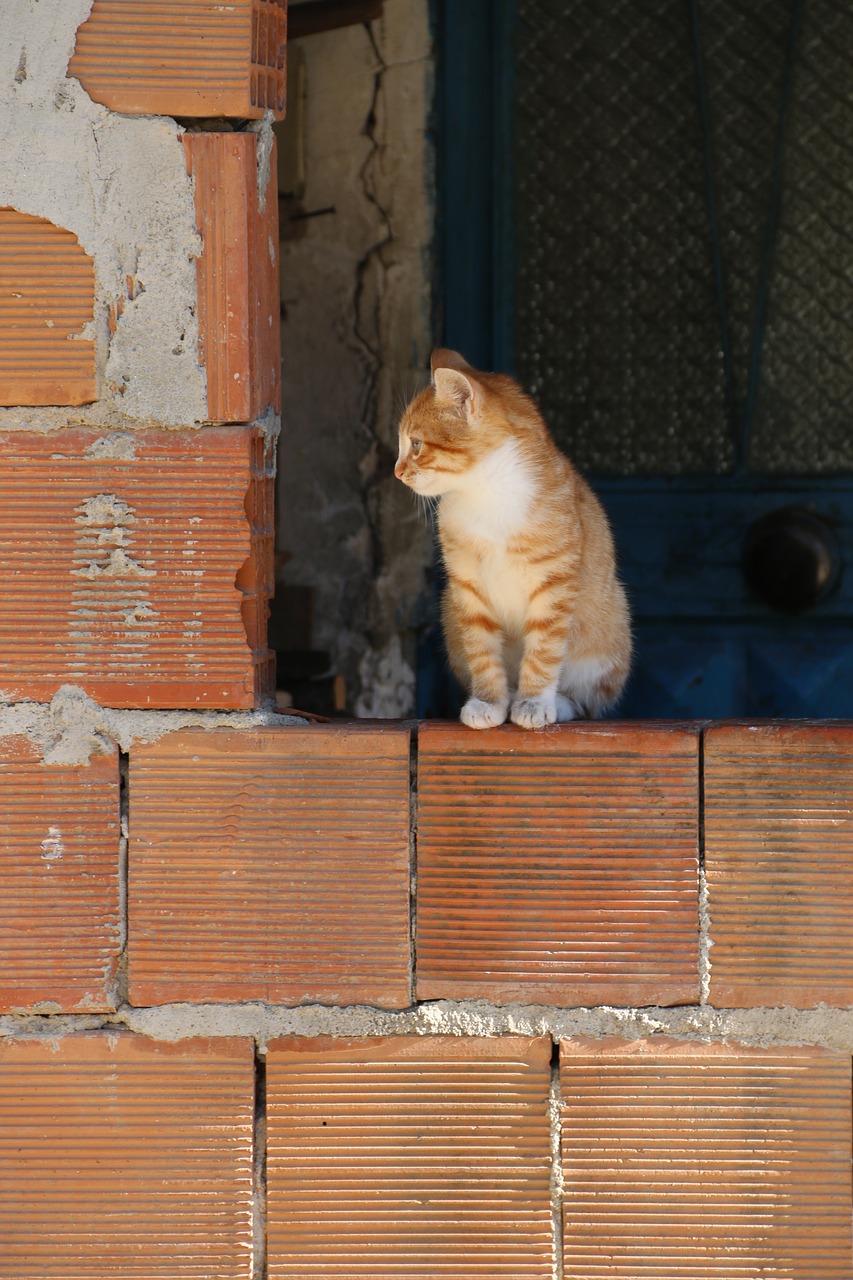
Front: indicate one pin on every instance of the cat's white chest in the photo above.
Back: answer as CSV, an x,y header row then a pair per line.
x,y
493,508
493,503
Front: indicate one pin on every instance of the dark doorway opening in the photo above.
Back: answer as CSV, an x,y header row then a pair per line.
x,y
647,215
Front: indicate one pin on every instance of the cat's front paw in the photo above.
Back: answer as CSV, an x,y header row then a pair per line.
x,y
534,713
479,714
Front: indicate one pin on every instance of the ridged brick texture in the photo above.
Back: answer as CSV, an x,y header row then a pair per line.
x,y
120,556
238,277
270,865
47,297
124,1159
558,866
410,1156
779,863
184,57
698,1161
59,892
255,579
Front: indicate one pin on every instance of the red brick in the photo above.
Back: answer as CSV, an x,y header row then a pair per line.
x,y
409,1156
59,892
270,864
188,58
122,1158
47,297
120,564
558,866
255,578
704,1160
779,861
238,277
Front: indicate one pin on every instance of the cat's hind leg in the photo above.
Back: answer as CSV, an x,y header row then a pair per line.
x,y
591,685
566,709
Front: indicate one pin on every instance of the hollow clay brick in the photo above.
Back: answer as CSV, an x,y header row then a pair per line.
x,y
558,866
184,58
270,864
238,276
59,892
122,1158
47,297
409,1156
122,556
779,863
704,1161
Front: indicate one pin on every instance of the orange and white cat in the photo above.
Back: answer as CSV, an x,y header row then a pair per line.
x,y
535,619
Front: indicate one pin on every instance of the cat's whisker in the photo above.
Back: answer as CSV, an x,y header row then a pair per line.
x,y
428,508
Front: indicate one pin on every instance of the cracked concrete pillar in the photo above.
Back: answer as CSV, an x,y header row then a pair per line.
x,y
357,333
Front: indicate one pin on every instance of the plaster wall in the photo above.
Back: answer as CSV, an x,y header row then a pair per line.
x,y
119,183
356,335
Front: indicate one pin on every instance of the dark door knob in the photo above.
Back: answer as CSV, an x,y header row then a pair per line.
x,y
791,559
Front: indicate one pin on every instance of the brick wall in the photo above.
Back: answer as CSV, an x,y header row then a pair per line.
x,y
408,1000
362,999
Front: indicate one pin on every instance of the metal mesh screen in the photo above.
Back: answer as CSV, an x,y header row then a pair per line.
x,y
804,419
617,328
618,323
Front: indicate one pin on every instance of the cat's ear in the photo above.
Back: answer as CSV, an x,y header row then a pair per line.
x,y
455,390
443,358
453,379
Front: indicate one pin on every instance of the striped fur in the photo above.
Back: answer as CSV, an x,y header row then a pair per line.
x,y
535,619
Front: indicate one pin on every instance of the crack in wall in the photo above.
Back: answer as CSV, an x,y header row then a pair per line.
x,y
259,1171
413,860
366,326
705,942
365,303
120,992
386,676
555,1114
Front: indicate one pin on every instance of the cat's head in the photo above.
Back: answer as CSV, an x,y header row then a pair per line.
x,y
450,426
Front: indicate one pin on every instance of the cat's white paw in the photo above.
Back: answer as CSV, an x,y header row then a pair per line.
x,y
479,714
534,713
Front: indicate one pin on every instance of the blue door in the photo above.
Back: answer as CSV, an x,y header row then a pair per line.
x,y
647,216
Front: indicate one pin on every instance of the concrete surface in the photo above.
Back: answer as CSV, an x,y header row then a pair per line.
x,y
120,184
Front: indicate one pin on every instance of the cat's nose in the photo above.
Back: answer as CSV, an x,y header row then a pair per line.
x,y
399,469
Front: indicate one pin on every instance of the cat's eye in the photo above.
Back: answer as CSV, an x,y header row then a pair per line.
x,y
416,447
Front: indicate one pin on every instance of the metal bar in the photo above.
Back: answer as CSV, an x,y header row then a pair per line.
x,y
503,186
466,177
769,241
